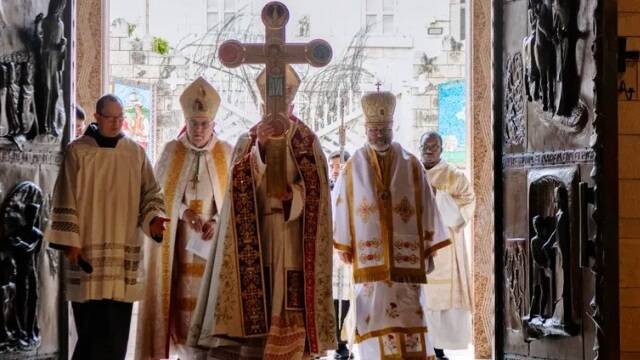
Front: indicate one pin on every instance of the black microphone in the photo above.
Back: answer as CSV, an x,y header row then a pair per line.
x,y
84,265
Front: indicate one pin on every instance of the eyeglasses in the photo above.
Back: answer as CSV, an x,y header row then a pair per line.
x,y
112,117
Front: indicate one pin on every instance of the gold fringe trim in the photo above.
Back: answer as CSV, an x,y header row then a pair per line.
x,y
221,165
417,193
391,330
384,274
175,169
191,269
439,282
349,176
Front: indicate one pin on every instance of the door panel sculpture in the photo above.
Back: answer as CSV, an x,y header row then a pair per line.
x,y
34,106
550,151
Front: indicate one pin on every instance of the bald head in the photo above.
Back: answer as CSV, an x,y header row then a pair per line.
x,y
431,149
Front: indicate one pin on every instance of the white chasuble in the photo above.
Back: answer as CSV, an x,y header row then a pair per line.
x,y
92,180
267,287
448,291
386,218
194,178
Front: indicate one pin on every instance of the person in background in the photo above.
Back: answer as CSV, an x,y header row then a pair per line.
x,y
448,289
80,121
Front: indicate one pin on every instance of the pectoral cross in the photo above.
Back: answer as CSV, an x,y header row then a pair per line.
x,y
275,53
196,204
194,181
196,172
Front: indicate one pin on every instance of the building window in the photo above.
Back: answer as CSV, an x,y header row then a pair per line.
x,y
220,11
379,16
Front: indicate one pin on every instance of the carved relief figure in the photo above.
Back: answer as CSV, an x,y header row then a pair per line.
x,y
551,300
558,245
545,54
12,99
531,71
4,122
21,239
26,104
51,55
544,274
9,326
562,26
551,73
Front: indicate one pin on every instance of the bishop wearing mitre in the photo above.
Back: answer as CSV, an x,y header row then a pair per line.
x,y
193,172
267,290
387,225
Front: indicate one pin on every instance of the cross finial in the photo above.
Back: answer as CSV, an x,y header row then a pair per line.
x,y
378,84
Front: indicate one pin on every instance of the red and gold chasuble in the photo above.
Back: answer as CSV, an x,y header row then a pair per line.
x,y
238,305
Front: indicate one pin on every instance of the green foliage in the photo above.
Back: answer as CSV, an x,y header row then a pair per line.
x,y
131,28
160,46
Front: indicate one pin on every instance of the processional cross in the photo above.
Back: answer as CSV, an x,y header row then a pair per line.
x,y
275,53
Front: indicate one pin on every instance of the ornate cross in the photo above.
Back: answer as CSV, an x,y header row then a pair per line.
x,y
275,53
378,84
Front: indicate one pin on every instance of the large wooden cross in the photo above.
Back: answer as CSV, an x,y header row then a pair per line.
x,y
275,53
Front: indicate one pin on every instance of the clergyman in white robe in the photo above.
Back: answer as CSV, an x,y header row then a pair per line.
x,y
386,223
192,171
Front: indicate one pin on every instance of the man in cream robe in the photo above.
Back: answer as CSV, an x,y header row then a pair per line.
x,y
193,173
448,291
387,225
266,293
105,197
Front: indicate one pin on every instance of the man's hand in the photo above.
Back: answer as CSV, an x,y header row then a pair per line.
x,y
265,131
73,254
157,227
269,129
346,257
193,220
208,229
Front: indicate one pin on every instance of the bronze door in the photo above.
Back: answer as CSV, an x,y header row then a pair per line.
x,y
552,134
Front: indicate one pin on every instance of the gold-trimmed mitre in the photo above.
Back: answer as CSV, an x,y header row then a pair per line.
x,y
200,99
378,107
292,81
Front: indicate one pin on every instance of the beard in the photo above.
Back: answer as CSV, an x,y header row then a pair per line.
x,y
380,145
